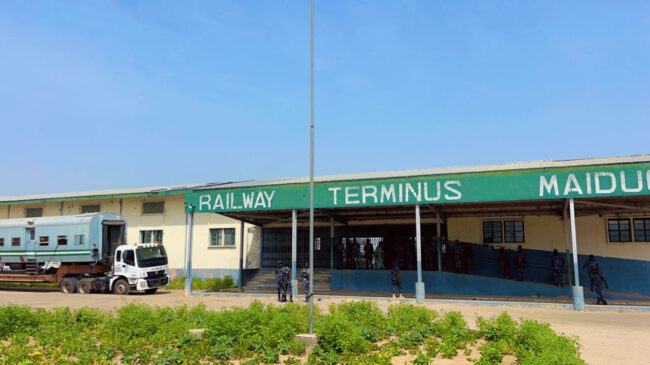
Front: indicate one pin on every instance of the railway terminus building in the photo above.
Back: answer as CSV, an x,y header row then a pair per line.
x,y
444,226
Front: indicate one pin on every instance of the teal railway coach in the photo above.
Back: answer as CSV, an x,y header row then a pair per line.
x,y
85,238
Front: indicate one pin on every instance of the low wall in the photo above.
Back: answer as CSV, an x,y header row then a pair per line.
x,y
449,283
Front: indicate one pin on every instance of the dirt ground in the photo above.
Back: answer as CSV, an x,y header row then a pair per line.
x,y
607,337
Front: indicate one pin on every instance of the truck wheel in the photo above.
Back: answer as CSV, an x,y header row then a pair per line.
x,y
151,291
68,285
121,287
84,286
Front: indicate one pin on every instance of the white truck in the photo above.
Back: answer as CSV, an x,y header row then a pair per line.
x,y
83,253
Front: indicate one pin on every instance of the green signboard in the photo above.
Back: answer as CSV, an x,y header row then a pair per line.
x,y
535,184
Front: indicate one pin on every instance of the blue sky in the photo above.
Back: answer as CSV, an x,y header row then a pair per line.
x,y
101,94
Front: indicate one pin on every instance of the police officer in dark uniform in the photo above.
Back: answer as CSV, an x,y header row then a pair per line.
x,y
368,250
278,280
593,269
286,283
396,280
556,263
305,281
504,263
520,261
599,282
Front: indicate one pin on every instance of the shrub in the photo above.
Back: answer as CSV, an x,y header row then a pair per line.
x,y
210,284
336,333
405,317
538,344
365,315
16,319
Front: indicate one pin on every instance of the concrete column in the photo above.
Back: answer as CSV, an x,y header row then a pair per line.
x,y
61,209
419,286
576,289
189,228
261,247
566,242
439,241
241,254
294,252
8,211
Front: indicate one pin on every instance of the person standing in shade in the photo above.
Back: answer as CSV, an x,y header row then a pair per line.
x,y
504,263
286,283
599,282
278,280
520,261
556,263
367,252
396,280
458,257
593,269
379,256
305,281
356,252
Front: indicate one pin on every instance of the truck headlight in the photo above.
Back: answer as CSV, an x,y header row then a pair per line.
x,y
166,271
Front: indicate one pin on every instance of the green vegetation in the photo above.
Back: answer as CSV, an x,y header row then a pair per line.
x,y
356,332
210,284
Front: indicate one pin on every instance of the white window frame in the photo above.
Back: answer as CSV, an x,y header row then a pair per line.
x,y
222,240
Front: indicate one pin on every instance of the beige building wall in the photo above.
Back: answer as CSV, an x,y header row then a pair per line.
x,y
172,223
547,233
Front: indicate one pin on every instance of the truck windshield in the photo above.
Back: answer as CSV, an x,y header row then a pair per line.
x,y
151,256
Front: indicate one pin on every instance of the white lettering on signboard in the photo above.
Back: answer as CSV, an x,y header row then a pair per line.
x,y
545,185
204,200
335,191
639,183
426,192
387,193
572,185
457,195
248,199
218,202
588,183
269,198
349,195
368,191
611,177
417,196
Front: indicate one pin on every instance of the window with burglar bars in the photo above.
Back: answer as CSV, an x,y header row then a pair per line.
x,y
151,236
222,237
492,232
90,208
642,229
33,212
504,231
619,230
153,207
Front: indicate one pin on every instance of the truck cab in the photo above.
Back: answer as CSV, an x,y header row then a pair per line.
x,y
140,268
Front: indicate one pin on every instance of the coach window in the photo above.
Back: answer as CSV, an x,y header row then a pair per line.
x,y
79,239
33,212
90,208
619,230
2,242
43,240
62,240
15,241
153,207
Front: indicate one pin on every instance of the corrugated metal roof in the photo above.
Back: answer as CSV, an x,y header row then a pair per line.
x,y
439,171
301,180
102,193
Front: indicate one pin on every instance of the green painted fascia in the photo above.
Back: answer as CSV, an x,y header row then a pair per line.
x,y
445,176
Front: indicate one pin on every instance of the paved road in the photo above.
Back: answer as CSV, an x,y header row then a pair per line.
x,y
607,337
